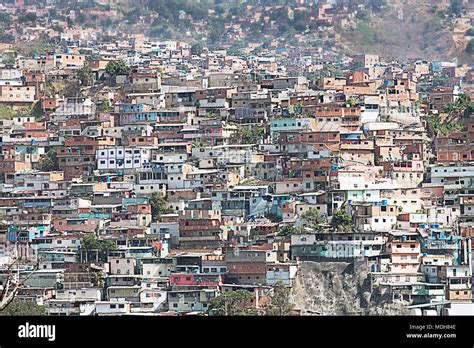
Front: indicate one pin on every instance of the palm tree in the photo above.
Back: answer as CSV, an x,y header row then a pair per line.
x,y
440,127
451,109
466,106
462,107
352,101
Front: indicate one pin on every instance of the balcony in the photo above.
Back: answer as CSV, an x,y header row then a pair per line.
x,y
459,287
439,246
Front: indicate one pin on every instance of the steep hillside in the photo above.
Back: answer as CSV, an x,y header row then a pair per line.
x,y
405,29
394,29
339,288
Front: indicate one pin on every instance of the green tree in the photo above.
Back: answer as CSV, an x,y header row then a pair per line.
x,y
97,248
470,47
437,81
24,111
249,135
313,219
456,7
104,106
81,18
462,107
159,204
117,67
439,127
298,108
352,101
90,242
5,19
9,58
280,301
289,230
72,90
300,21
362,15
246,135
376,5
28,17
50,161
37,110
283,27
341,219
70,23
196,49
97,278
85,75
58,28
220,10
23,307
234,303
40,47
6,112
465,104
216,31
198,142
106,246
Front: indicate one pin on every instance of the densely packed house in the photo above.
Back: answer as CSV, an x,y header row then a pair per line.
x,y
161,179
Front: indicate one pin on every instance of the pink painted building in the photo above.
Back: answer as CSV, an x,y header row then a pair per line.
x,y
187,279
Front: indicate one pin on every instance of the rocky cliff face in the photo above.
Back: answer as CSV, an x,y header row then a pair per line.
x,y
339,288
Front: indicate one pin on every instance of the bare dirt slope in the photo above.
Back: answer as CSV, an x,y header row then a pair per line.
x,y
339,288
407,29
